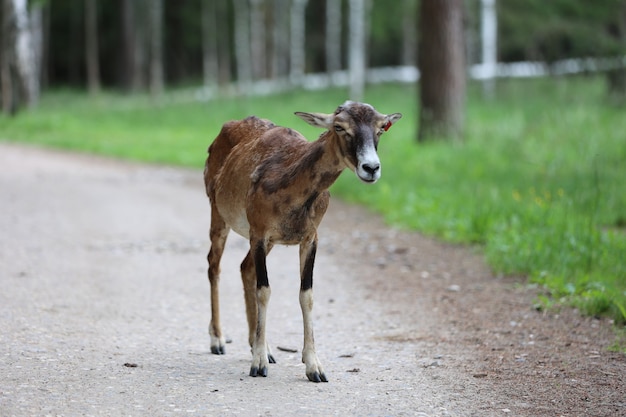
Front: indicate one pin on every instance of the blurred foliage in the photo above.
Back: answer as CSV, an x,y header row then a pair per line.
x,y
557,29
528,30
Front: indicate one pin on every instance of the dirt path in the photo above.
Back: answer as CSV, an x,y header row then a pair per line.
x,y
104,311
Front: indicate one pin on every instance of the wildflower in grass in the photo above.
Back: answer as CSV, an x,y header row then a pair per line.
x,y
539,201
517,196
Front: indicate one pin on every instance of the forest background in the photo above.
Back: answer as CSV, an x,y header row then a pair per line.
x,y
132,44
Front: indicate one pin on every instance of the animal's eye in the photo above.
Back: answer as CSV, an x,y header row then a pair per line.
x,y
338,128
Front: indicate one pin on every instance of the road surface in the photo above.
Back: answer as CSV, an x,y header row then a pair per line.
x,y
104,308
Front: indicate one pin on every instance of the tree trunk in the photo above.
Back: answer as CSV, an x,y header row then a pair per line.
x,y
616,78
333,35
409,33
210,59
357,63
134,44
45,46
6,57
25,57
298,41
128,42
36,14
442,68
224,45
20,73
280,39
139,46
156,48
242,44
91,44
257,40
489,35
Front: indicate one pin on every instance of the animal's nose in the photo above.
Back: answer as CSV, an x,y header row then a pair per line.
x,y
371,168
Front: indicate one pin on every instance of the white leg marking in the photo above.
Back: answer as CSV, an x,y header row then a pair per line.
x,y
259,348
314,370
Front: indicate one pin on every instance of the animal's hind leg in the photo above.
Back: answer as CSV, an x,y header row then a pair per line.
x,y
248,276
260,357
219,233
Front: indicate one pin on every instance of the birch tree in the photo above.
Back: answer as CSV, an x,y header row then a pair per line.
x,y
26,60
489,33
20,72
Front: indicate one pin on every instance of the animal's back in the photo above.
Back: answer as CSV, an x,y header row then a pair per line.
x,y
233,133
244,156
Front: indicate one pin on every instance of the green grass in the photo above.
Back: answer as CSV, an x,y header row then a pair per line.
x,y
539,183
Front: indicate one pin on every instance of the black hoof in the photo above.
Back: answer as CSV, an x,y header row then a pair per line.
x,y
271,359
255,371
317,377
218,350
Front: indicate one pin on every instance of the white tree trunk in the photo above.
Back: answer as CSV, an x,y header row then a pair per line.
x,y
489,35
297,48
333,35
357,64
156,48
242,43
257,41
24,53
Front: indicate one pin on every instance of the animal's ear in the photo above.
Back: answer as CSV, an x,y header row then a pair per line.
x,y
391,119
323,120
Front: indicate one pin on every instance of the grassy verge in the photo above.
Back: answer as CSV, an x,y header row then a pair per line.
x,y
539,182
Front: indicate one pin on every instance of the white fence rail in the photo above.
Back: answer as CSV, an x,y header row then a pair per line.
x,y
407,74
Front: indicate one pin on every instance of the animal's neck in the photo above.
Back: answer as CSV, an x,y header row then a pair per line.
x,y
302,170
328,163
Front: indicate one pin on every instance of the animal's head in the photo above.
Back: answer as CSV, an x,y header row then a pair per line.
x,y
357,127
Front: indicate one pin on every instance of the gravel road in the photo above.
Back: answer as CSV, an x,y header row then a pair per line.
x,y
104,308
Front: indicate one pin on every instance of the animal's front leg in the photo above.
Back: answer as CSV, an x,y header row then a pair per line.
x,y
263,292
314,370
